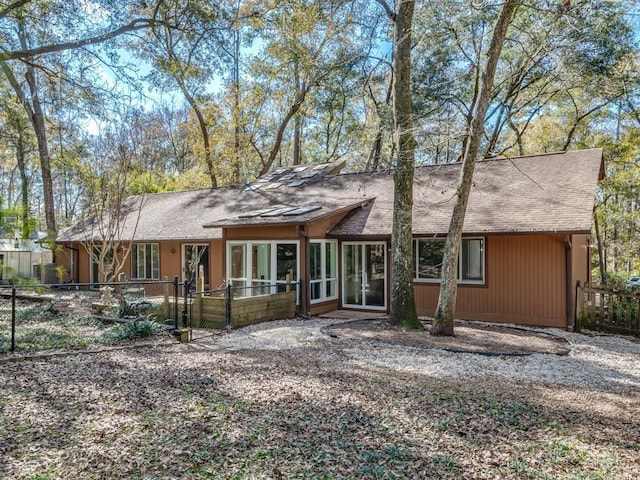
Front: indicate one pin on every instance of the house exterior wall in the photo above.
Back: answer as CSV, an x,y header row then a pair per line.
x,y
170,261
580,267
320,228
525,283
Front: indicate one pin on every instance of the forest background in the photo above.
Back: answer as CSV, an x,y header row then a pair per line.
x,y
105,98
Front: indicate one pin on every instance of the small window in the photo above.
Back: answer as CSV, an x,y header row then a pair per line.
x,y
428,254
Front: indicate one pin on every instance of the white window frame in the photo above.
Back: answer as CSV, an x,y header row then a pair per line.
x,y
460,281
134,258
323,273
248,262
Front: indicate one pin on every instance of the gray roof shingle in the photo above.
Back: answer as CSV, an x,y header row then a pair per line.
x,y
540,193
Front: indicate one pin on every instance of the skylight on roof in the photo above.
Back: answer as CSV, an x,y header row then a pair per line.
x,y
309,175
297,183
255,213
278,211
322,166
252,187
302,210
300,169
272,186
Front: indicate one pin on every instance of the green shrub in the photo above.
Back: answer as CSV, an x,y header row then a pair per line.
x,y
132,329
616,281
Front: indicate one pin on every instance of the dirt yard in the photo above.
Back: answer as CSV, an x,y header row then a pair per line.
x,y
326,399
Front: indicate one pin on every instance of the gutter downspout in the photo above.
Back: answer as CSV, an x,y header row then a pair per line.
x,y
571,314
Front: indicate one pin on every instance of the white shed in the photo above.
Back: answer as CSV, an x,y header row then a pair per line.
x,y
23,258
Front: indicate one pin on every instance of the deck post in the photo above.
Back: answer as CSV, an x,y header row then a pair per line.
x,y
13,317
227,298
579,307
175,301
185,290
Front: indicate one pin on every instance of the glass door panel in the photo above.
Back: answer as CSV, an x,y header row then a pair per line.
x,y
193,257
375,281
353,284
364,275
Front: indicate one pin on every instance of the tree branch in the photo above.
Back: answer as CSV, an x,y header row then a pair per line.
x,y
390,13
9,8
134,25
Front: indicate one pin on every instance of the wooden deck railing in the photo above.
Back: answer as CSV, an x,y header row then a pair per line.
x,y
606,310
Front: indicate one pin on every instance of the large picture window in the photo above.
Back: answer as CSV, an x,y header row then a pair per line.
x,y
145,261
261,267
428,253
323,264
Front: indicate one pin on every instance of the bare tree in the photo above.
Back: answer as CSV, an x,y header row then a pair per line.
x,y
445,311
112,228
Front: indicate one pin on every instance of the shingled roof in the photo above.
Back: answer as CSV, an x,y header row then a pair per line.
x,y
181,215
539,193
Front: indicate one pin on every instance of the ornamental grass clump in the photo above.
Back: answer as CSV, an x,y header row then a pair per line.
x,y
132,329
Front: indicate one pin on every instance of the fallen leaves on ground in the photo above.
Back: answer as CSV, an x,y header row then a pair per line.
x,y
190,412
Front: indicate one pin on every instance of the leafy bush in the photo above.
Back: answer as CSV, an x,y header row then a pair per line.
x,y
616,281
132,329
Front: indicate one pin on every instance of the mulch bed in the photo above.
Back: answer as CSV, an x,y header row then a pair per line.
x,y
469,337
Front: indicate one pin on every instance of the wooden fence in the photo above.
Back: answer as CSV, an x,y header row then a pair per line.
x,y
608,311
211,312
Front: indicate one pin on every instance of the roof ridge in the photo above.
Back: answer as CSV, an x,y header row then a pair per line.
x,y
544,154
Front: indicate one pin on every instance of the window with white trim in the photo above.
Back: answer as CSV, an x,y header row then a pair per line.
x,y
259,265
323,264
428,253
145,261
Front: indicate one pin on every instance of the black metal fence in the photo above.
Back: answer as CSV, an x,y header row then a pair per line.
x,y
78,315
71,316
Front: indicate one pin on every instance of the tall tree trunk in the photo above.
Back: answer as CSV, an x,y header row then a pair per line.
x,y
39,125
236,101
293,109
34,110
601,260
21,161
297,121
445,311
403,306
202,123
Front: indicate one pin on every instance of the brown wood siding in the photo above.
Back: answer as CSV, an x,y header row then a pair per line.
x,y
320,228
285,232
216,264
580,266
170,261
525,283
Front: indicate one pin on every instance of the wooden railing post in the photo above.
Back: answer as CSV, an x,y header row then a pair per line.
x,y
579,307
201,280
